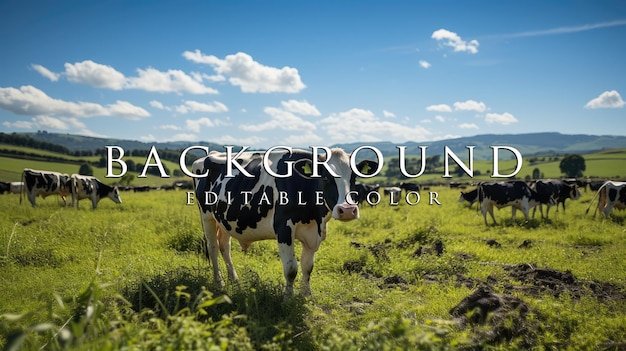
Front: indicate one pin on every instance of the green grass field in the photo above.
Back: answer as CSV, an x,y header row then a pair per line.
x,y
133,276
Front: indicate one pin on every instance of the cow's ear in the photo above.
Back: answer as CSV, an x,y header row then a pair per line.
x,y
303,167
367,167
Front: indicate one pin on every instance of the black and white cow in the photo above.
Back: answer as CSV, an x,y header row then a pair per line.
x,y
611,194
362,190
560,190
470,196
45,183
16,187
516,194
280,208
394,191
408,186
87,187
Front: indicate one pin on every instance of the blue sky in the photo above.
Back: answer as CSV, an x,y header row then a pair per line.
x,y
303,73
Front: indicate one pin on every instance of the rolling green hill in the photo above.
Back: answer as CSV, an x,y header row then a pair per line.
x,y
606,164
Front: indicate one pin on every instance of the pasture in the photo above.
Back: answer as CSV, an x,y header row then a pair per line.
x,y
133,276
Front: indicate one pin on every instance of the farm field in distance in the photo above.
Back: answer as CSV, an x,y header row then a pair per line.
x,y
134,276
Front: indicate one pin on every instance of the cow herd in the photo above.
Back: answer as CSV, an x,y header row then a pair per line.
x,y
549,192
299,207
45,183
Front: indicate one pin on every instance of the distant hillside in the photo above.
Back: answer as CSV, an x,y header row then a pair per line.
x,y
80,142
528,144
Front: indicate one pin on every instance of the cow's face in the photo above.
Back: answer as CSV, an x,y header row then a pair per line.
x,y
115,195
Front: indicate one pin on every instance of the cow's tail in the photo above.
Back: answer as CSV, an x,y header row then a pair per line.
x,y
594,198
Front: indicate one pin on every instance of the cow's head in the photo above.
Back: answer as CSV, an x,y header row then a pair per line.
x,y
115,195
337,190
573,191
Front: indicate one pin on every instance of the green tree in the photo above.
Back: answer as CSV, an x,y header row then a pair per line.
x,y
573,165
536,173
85,169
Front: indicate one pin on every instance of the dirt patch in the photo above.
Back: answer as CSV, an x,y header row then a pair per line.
x,y
547,280
496,318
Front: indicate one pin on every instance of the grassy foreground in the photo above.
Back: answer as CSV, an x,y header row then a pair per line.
x,y
133,276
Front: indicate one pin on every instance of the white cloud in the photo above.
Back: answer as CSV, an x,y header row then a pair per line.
x,y
388,114
172,81
302,140
169,127
127,110
468,126
363,125
183,136
195,106
564,30
280,119
157,104
147,138
608,99
31,101
47,122
424,64
470,105
300,107
439,108
46,72
249,75
50,123
243,141
440,118
195,124
454,40
503,118
95,75
102,76
19,124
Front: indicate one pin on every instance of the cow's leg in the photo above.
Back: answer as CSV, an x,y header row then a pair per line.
x,y
210,234
484,208
607,210
290,265
311,240
223,240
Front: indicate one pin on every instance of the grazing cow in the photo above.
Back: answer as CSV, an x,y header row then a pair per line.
x,y
409,187
394,191
560,190
4,187
611,194
87,187
45,183
516,194
362,190
470,196
16,187
280,208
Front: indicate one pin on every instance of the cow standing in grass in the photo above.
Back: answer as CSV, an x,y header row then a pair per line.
x,y
610,194
558,189
516,194
259,206
45,183
88,187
